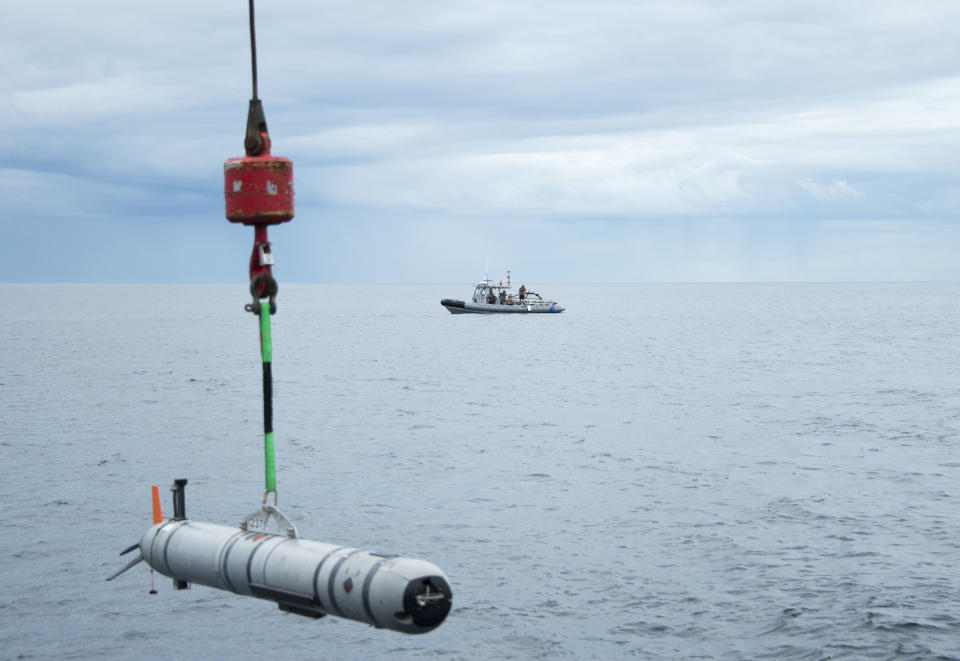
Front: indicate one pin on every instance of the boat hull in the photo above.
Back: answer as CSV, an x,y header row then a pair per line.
x,y
468,307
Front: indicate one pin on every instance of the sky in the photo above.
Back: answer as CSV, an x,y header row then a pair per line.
x,y
567,140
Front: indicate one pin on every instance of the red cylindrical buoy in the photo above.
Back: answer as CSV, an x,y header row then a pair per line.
x,y
259,189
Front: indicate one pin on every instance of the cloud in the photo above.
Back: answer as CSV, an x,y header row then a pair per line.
x,y
101,99
660,114
772,166
607,175
825,192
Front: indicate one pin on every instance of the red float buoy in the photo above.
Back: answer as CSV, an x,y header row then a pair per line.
x,y
258,190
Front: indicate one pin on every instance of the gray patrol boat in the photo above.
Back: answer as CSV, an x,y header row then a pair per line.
x,y
491,297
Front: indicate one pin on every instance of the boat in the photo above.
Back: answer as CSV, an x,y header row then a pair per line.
x,y
495,297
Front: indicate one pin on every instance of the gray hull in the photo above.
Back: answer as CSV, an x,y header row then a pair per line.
x,y
468,307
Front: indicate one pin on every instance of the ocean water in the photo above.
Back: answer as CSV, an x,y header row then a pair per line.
x,y
660,472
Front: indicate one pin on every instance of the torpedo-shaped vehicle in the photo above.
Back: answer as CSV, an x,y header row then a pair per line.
x,y
266,558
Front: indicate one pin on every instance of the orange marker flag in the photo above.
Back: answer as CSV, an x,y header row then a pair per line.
x,y
157,514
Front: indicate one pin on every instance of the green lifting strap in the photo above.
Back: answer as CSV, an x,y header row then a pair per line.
x,y
266,351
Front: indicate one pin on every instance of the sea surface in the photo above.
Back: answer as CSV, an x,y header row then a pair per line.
x,y
742,471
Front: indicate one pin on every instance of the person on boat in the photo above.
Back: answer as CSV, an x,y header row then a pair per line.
x,y
503,297
490,297
523,292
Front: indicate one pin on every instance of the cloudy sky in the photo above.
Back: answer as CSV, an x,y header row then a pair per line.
x,y
569,140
